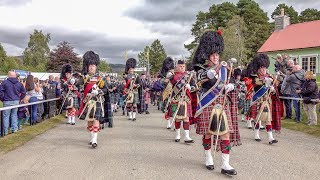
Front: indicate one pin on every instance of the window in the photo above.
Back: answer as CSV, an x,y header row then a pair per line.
x,y
309,64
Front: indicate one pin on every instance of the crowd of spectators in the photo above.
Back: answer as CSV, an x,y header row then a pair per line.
x,y
15,91
297,83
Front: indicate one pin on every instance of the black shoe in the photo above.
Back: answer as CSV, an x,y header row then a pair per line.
x,y
134,119
177,140
231,172
147,112
210,167
73,123
90,143
94,145
249,127
122,113
168,127
273,141
258,140
189,141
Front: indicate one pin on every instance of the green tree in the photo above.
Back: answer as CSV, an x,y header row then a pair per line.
x,y
36,54
11,63
309,15
217,17
63,54
3,54
143,57
234,41
3,57
104,66
258,27
156,55
289,11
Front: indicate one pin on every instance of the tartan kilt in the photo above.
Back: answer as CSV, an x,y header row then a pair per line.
x,y
108,114
135,99
173,107
231,110
98,115
276,109
253,111
246,106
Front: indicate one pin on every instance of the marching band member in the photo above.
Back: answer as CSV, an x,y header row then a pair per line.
x,y
94,88
69,92
180,102
131,88
217,105
261,107
167,66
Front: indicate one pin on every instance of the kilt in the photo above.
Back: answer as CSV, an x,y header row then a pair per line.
x,y
108,115
231,110
98,115
173,107
277,112
246,106
135,99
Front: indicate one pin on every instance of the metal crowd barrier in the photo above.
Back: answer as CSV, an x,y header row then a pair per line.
x,y
21,105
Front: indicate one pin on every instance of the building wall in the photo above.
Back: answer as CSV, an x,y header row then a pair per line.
x,y
299,54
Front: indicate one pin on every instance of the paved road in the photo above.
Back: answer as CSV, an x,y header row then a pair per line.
x,y
146,150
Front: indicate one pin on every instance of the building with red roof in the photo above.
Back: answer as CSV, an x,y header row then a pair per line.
x,y
301,42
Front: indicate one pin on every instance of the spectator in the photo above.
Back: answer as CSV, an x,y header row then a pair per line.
x,y
23,113
32,90
291,84
310,91
39,94
11,92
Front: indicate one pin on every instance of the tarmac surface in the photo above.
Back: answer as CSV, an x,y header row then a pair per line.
x,y
145,149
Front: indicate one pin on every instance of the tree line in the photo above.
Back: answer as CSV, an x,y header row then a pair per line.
x,y
37,56
245,26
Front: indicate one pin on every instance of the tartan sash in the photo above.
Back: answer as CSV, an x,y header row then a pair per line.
x,y
214,92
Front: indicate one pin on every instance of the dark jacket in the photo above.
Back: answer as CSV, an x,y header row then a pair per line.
x,y
57,86
157,86
309,91
293,82
12,90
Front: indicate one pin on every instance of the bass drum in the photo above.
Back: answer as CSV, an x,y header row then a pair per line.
x,y
218,114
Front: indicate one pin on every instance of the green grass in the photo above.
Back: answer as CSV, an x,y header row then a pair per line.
x,y
302,127
27,133
1,105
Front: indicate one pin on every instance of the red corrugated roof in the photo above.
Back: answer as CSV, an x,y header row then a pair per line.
x,y
294,36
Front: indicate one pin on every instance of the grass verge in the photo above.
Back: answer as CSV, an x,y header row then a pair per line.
x,y
302,127
27,133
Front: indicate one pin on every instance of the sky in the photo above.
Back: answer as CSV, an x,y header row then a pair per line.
x,y
111,27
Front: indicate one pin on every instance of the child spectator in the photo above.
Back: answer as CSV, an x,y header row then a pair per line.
x,y
23,113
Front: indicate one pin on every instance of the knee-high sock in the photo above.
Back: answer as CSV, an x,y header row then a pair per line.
x,y
225,146
206,143
268,128
177,124
186,125
269,132
73,119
